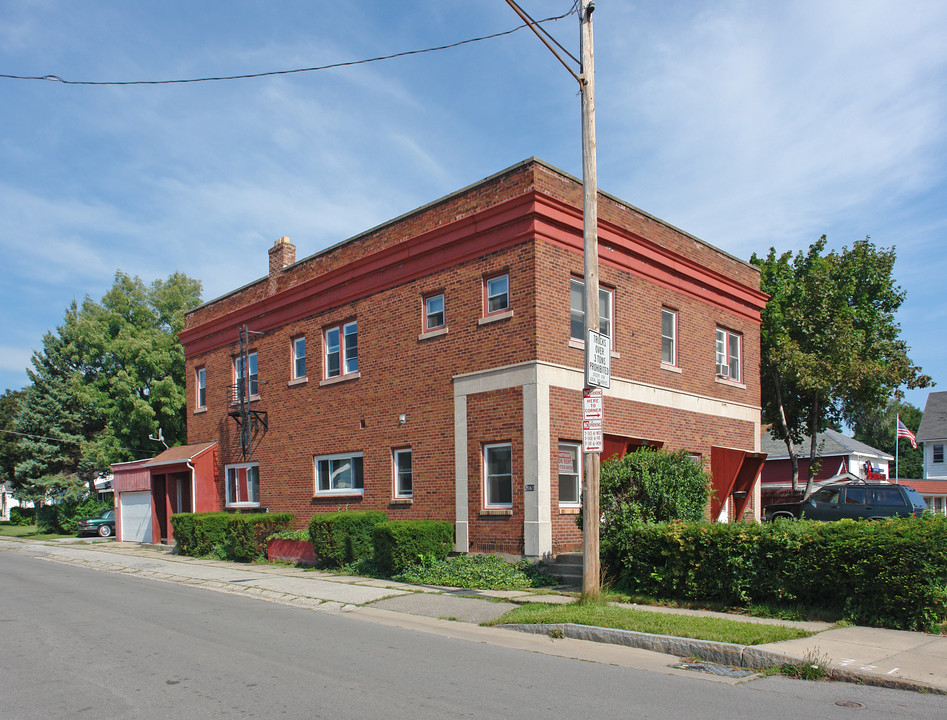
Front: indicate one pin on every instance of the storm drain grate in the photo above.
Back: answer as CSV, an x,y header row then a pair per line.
x,y
713,669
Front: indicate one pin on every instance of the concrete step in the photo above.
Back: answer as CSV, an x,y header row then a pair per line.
x,y
567,567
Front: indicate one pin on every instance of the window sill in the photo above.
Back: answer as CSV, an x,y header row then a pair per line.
x,y
580,345
730,383
569,510
339,493
240,506
496,317
671,368
198,411
340,379
298,381
432,333
402,501
496,512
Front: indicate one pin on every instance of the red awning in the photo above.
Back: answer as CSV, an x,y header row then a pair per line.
x,y
733,473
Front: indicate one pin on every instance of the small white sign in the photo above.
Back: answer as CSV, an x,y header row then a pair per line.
x,y
593,418
598,360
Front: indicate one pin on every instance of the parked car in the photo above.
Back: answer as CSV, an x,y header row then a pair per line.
x,y
103,525
852,500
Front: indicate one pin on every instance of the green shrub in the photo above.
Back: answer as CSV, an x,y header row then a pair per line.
x,y
64,517
227,536
889,573
22,516
486,572
299,535
197,534
400,543
342,537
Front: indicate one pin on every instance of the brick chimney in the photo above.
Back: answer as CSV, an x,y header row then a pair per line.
x,y
282,253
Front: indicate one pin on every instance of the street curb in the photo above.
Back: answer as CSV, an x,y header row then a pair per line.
x,y
730,654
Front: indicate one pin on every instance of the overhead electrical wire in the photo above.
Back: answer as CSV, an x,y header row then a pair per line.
x,y
271,73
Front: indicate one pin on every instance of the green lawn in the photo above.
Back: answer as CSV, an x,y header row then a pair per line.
x,y
27,531
688,626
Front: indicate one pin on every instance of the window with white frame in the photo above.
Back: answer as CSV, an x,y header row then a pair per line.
x,y
496,294
728,351
339,474
299,358
201,384
341,344
498,475
404,474
577,310
937,453
246,381
668,337
243,485
434,317
570,474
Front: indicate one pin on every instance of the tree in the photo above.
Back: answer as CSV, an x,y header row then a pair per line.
x,y
878,426
106,379
830,346
9,455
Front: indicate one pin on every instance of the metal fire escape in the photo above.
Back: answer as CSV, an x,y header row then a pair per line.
x,y
251,421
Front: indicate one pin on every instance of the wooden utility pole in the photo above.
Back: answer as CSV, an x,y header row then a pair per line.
x,y
591,570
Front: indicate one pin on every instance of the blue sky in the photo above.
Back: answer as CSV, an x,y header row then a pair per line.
x,y
747,124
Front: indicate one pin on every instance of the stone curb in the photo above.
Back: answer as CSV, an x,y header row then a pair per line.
x,y
731,654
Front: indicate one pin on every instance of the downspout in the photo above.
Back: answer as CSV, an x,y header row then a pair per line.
x,y
193,488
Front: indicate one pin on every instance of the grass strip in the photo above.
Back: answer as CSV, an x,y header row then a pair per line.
x,y
688,626
28,531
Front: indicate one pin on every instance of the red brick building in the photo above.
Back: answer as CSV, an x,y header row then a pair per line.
x,y
432,366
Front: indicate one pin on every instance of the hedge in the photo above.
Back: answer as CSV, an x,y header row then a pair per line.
x,y
885,573
401,543
230,536
342,537
64,517
22,516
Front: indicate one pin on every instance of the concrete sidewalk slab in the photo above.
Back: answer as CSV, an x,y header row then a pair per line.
x,y
449,607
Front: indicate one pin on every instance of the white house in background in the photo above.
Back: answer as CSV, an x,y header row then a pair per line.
x,y
7,500
932,434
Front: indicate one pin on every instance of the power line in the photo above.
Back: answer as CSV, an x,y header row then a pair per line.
x,y
271,73
68,442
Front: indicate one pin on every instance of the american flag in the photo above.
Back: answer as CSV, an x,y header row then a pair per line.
x,y
903,432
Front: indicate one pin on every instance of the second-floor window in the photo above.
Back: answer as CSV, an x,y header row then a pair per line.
x,y
341,343
299,358
201,378
668,337
937,453
727,355
246,379
434,317
496,294
577,310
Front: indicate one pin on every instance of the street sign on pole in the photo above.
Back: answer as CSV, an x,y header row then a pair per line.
x,y
598,360
593,418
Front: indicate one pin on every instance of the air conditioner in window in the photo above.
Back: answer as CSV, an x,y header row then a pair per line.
x,y
723,370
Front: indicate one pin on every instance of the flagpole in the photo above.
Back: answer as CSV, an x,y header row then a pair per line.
x,y
897,424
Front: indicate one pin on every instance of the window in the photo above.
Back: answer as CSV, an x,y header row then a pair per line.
x,y
201,387
570,473
728,355
434,318
938,453
339,474
251,381
497,294
668,337
498,475
577,310
243,485
342,350
404,477
299,358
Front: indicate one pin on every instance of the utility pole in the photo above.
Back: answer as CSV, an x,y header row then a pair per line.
x,y
591,569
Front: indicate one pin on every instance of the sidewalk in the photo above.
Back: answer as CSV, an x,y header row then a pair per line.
x,y
890,658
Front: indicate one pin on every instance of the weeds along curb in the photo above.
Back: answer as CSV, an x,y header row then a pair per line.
x,y
744,656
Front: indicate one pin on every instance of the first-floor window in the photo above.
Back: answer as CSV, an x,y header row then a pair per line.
x,y
243,485
498,475
339,474
570,474
342,350
728,354
299,358
201,387
404,474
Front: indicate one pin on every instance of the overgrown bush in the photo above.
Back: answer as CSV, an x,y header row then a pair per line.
x,y
228,536
400,543
298,535
885,573
486,572
22,516
649,485
64,517
342,537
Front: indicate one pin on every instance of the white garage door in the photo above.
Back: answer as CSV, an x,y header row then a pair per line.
x,y
136,516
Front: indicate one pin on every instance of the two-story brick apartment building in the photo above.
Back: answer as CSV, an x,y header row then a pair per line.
x,y
432,366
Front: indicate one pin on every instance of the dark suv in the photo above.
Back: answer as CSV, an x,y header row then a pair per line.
x,y
852,500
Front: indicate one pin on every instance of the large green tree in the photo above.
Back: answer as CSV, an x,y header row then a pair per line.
x,y
830,346
9,454
878,427
111,375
